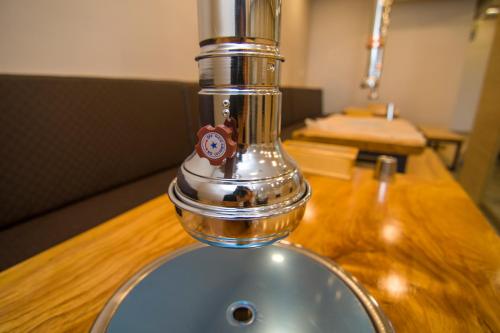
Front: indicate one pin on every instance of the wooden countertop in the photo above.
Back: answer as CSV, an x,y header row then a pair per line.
x,y
419,245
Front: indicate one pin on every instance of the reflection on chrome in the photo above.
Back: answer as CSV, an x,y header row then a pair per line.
x,y
309,214
276,257
330,281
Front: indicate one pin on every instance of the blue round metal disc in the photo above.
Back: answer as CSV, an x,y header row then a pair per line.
x,y
274,289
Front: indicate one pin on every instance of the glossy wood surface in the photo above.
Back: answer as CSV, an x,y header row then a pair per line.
x,y
366,144
322,159
419,245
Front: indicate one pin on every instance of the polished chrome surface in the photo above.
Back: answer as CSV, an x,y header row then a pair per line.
x,y
258,196
256,112
220,192
385,168
279,288
251,19
239,227
376,47
224,48
256,71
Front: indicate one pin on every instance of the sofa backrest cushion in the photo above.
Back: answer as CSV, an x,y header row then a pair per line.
x,y
63,139
299,104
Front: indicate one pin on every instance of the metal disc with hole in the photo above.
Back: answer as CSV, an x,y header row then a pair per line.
x,y
279,288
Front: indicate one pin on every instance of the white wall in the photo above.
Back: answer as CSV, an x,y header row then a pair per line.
x,y
112,38
336,61
294,40
155,39
476,61
424,56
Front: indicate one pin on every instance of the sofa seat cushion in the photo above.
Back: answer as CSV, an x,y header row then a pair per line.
x,y
26,239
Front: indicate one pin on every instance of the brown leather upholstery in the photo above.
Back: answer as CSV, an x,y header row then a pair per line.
x,y
64,139
306,103
297,105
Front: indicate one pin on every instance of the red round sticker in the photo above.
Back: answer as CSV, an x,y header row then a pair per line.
x,y
215,143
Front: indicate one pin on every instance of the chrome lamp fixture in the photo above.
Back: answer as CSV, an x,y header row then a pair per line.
x,y
239,188
376,47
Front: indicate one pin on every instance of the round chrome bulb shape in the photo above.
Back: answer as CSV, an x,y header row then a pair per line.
x,y
239,213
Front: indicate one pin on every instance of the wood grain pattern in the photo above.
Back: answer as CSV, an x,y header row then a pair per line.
x,y
419,245
421,248
322,159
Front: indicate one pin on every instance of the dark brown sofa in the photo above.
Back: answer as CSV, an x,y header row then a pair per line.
x,y
75,152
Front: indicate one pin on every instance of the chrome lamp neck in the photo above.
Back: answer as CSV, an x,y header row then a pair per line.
x,y
375,46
